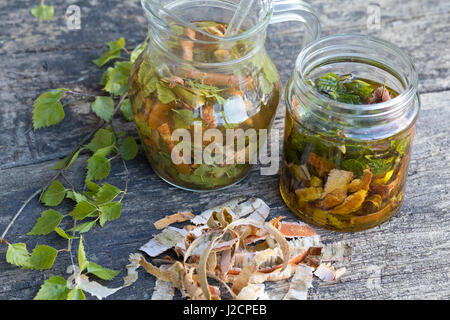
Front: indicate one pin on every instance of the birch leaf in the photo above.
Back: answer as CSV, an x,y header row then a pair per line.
x,y
43,12
55,288
54,194
47,222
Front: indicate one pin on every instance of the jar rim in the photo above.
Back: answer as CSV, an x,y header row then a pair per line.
x,y
258,27
364,110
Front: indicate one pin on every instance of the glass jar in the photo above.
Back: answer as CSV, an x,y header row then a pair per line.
x,y
345,162
195,81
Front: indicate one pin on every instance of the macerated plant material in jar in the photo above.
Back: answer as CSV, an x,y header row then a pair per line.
x,y
340,183
167,96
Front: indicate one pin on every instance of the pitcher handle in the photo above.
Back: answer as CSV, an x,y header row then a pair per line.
x,y
296,10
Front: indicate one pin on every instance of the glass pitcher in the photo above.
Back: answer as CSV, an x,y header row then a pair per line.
x,y
193,88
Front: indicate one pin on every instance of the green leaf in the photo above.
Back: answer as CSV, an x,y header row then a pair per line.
x,y
48,109
62,164
137,51
338,88
359,87
165,94
46,223
84,227
64,234
357,166
42,258
75,196
103,152
106,193
402,145
103,107
106,76
54,194
117,78
82,260
183,118
98,168
43,12
82,210
265,85
92,186
110,211
112,53
17,254
379,166
127,110
102,138
76,294
102,273
147,77
128,148
270,71
328,83
348,98
55,288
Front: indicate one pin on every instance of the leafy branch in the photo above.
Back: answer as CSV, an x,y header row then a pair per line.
x,y
94,203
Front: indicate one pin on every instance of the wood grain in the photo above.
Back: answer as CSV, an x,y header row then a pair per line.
x,y
405,258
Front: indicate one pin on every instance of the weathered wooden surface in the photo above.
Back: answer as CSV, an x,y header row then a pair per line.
x,y
405,258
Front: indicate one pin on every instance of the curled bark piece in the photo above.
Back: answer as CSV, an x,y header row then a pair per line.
x,y
373,217
245,208
163,290
261,212
322,165
163,241
380,94
276,275
372,203
155,271
132,274
193,291
220,218
308,194
300,283
253,292
338,180
166,135
296,229
361,184
176,217
216,30
173,81
276,222
366,179
187,45
203,217
93,287
281,240
243,279
159,115
327,273
351,203
332,199
354,185
384,190
208,116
